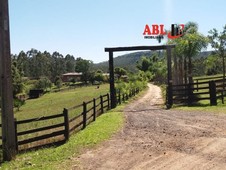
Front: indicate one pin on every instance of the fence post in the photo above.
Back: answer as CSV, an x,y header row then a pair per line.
x,y
190,94
16,138
94,109
212,90
84,115
108,98
66,124
101,104
169,96
222,97
123,97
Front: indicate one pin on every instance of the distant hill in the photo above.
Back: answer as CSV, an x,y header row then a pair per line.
x,y
128,61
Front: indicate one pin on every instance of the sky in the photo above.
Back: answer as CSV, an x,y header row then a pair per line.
x,y
83,28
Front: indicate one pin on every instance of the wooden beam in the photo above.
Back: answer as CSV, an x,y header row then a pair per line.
x,y
135,48
169,79
112,80
8,126
140,48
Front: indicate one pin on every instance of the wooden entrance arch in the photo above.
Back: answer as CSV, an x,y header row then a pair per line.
x,y
168,48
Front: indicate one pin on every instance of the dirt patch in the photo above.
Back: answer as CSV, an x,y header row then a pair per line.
x,y
155,138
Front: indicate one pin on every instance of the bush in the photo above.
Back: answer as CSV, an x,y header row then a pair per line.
x,y
58,82
18,103
135,81
43,83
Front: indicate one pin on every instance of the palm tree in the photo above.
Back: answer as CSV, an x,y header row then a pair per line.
x,y
187,47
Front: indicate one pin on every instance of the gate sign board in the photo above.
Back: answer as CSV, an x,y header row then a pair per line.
x,y
168,49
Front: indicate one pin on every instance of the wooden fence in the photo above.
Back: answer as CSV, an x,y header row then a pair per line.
x,y
194,92
71,120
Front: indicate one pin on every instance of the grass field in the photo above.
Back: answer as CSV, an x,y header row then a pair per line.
x,y
53,103
205,106
60,157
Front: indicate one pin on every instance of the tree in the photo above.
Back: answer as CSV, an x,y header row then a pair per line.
x,y
98,77
17,80
58,82
58,65
99,71
43,83
120,72
83,66
144,64
213,65
187,47
70,63
218,42
23,64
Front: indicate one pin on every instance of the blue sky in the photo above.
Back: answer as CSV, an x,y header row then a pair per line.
x,y
84,28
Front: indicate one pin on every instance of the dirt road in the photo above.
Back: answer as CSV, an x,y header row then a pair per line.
x,y
154,138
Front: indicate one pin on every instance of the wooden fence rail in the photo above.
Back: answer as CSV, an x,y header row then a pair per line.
x,y
193,92
71,120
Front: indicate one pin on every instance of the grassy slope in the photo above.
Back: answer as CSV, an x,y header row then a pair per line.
x,y
60,157
53,103
52,158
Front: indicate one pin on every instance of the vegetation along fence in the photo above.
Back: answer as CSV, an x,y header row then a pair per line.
x,y
211,90
56,129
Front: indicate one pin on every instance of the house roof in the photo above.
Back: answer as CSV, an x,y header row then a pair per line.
x,y
72,74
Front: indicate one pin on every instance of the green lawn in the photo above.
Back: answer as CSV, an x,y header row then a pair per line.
x,y
205,106
59,157
53,103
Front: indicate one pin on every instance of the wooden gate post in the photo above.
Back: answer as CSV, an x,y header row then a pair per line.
x,y
6,92
169,101
112,80
190,94
212,90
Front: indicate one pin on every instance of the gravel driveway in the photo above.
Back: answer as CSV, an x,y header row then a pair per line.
x,y
155,138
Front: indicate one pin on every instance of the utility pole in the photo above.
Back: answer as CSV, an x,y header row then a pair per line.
x,y
8,127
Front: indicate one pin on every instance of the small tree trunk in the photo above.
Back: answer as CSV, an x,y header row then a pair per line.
x,y
181,71
189,70
175,71
185,70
